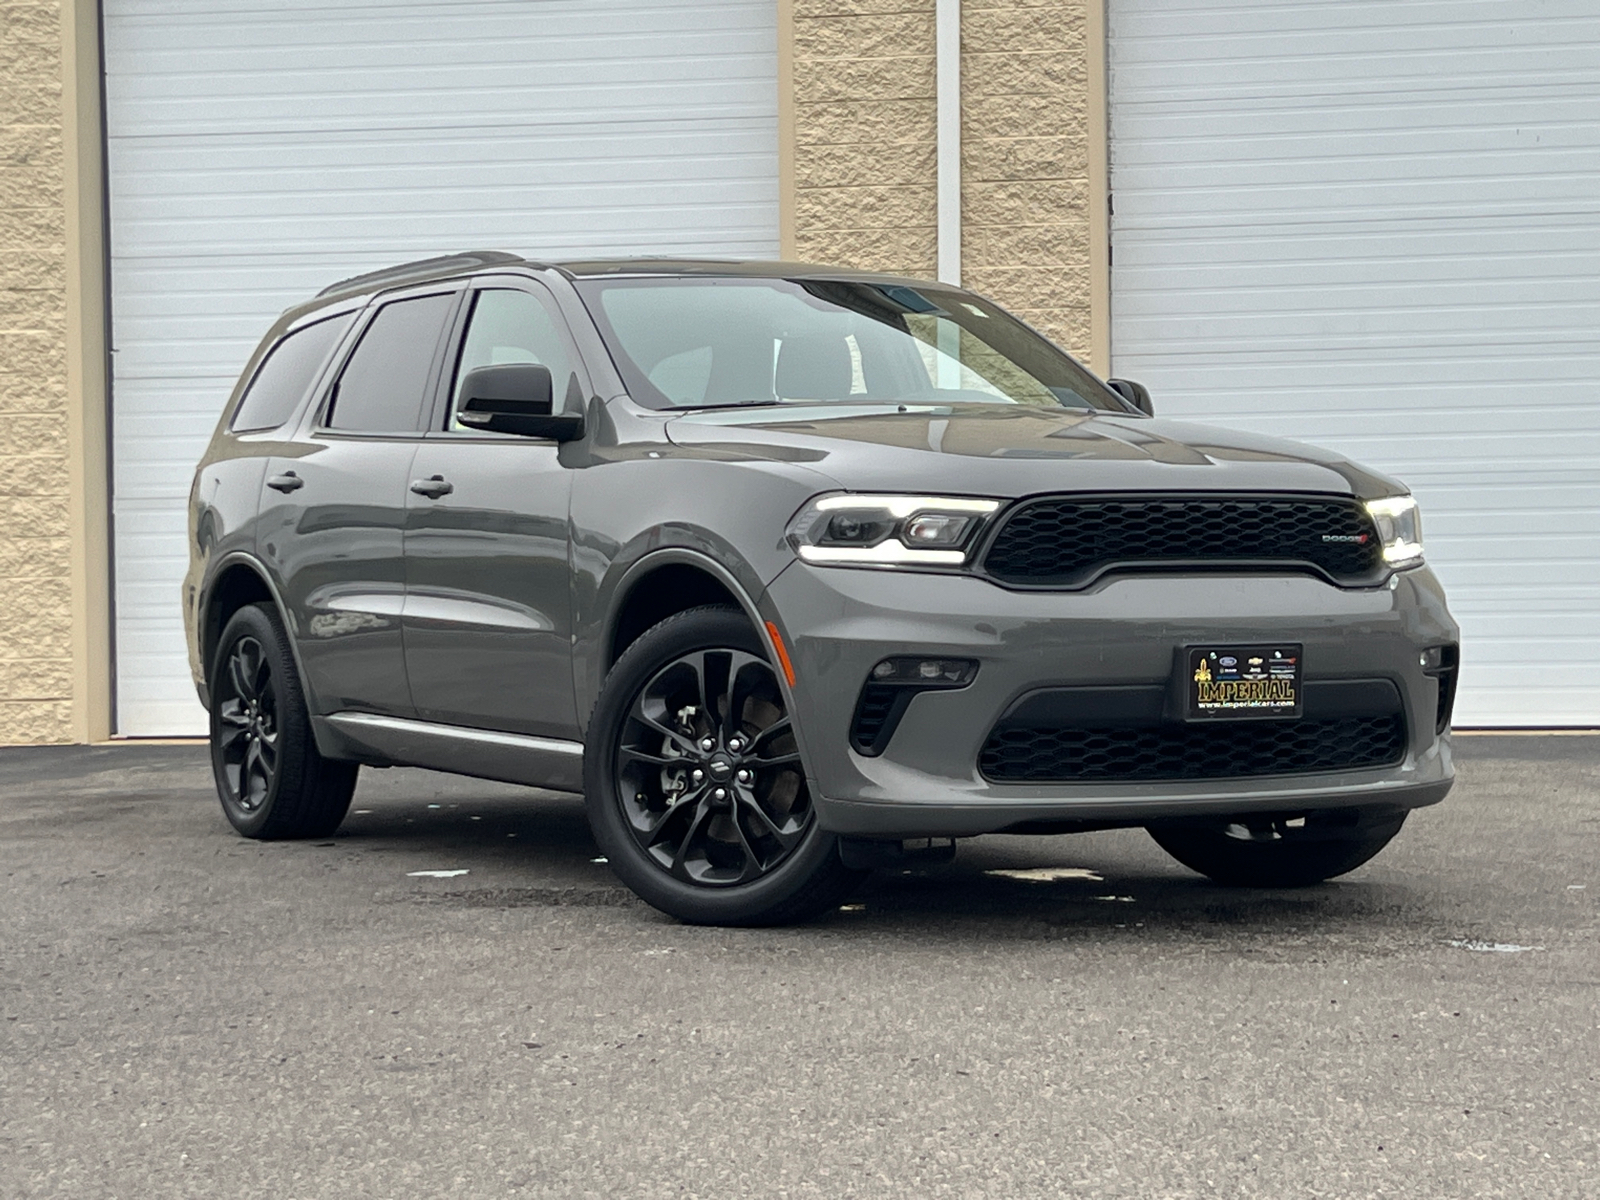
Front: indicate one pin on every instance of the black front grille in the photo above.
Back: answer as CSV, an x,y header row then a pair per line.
x,y
1067,541
1231,750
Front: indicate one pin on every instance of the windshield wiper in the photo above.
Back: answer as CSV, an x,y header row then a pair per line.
x,y
734,404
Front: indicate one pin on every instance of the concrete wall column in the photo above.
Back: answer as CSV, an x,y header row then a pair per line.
x,y
55,666
1032,145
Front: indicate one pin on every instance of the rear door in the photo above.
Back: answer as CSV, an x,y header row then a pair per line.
x,y
488,615
334,504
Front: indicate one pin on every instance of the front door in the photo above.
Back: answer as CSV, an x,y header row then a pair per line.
x,y
488,612
334,505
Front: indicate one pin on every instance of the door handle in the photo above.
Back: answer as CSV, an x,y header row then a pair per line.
x,y
286,483
432,487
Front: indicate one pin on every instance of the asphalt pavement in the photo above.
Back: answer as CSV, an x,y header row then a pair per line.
x,y
184,1013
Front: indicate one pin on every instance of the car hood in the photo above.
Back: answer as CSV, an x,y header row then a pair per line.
x,y
1005,450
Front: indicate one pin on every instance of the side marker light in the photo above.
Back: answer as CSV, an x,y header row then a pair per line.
x,y
783,652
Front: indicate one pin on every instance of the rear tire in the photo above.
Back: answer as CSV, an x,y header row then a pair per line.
x,y
272,781
1267,851
693,781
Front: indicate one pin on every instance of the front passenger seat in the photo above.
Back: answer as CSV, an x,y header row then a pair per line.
x,y
814,367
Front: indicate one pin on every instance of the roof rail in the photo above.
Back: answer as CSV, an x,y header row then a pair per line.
x,y
420,269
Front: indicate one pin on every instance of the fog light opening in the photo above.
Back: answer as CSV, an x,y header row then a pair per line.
x,y
890,687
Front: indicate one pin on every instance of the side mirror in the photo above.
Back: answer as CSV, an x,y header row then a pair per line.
x,y
515,398
1135,394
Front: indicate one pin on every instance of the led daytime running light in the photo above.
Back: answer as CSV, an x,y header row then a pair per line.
x,y
1399,525
901,507
809,531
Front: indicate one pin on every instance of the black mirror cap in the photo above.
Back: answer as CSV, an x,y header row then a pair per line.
x,y
1135,394
509,387
515,398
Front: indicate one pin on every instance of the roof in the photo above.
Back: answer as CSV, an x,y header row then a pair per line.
x,y
425,269
739,267
420,271
445,266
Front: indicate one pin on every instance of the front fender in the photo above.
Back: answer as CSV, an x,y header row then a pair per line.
x,y
725,518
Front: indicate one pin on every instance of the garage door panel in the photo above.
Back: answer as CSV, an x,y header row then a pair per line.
x,y
1446,196
196,168
1469,452
1559,408
1352,311
1376,227
631,105
1275,36
1530,376
1365,161
1540,708
1399,347
1431,19
316,69
162,445
1350,252
1351,128
555,233
1308,329
257,154
1267,276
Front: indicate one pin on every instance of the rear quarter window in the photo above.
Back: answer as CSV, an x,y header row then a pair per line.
x,y
284,376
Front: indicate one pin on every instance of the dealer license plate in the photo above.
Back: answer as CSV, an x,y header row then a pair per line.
x,y
1243,682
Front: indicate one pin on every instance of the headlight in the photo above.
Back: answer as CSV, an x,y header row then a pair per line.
x,y
1399,529
888,531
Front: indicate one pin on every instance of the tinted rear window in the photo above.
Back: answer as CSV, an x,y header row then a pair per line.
x,y
281,381
383,385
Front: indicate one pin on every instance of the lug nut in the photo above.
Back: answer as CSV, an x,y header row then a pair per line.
x,y
736,744
707,744
743,776
720,794
697,775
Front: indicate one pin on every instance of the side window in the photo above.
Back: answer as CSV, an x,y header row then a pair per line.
x,y
281,380
513,327
383,384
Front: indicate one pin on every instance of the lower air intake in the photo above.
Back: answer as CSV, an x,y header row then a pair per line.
x,y
1232,750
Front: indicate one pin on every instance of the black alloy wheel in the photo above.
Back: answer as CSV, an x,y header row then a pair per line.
x,y
694,781
707,771
247,724
271,779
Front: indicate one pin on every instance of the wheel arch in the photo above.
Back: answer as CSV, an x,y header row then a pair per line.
x,y
664,582
237,581
660,586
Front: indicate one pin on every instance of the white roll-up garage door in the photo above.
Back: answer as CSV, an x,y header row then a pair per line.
x,y
258,152
1376,226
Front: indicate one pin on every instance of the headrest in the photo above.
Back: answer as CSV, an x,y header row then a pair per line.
x,y
815,367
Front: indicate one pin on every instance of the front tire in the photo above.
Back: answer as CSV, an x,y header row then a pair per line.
x,y
1270,851
693,781
271,779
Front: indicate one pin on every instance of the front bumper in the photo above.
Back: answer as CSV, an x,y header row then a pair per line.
x,y
839,622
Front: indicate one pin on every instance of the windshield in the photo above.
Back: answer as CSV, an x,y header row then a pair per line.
x,y
714,342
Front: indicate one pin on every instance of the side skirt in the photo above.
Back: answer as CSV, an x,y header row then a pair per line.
x,y
400,742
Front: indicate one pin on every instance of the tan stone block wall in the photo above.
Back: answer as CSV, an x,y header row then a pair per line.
x,y
865,164
35,589
864,139
1025,161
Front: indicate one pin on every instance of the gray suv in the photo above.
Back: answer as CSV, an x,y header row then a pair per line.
x,y
792,572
